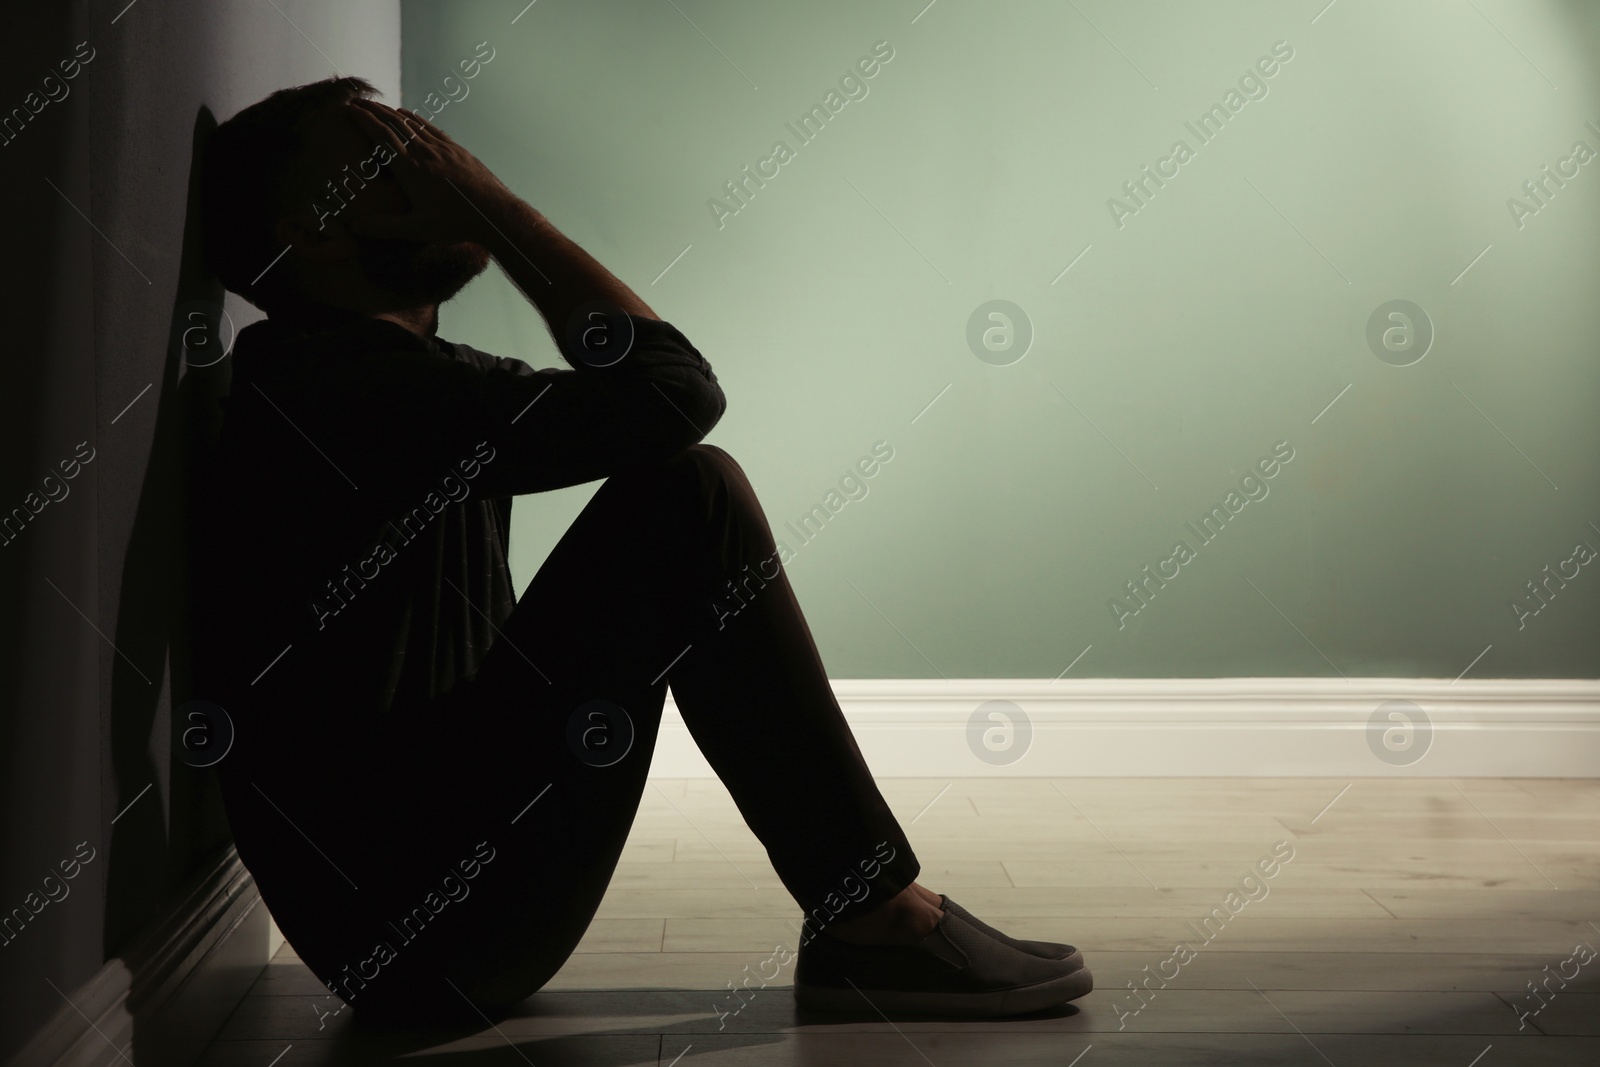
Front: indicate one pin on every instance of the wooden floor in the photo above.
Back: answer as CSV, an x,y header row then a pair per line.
x,y
1404,930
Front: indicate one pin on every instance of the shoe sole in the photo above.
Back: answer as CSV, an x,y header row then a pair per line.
x,y
1020,1001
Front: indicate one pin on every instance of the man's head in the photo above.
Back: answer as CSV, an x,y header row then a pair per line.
x,y
290,172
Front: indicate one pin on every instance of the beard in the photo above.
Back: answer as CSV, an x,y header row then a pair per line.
x,y
419,272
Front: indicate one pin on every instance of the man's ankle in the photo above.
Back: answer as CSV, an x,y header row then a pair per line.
x,y
904,919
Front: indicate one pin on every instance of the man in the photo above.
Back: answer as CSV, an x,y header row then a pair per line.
x,y
432,780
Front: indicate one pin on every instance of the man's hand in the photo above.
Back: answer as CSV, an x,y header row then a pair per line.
x,y
453,195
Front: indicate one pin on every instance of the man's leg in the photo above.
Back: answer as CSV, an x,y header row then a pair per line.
x,y
754,694
623,606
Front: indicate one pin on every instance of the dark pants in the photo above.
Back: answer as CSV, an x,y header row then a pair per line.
x,y
474,842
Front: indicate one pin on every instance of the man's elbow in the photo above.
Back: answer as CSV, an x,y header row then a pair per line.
x,y
690,406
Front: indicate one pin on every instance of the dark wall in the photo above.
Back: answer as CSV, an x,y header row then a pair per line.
x,y
103,286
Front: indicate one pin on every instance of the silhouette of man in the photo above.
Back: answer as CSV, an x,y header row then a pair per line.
x,y
432,778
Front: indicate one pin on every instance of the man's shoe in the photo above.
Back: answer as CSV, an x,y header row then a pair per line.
x,y
957,970
1046,950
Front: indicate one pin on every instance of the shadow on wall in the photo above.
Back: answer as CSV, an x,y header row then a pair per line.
x,y
146,867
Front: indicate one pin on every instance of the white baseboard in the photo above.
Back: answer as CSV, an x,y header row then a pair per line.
x,y
1205,727
166,996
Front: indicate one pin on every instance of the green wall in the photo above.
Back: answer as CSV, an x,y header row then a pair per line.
x,y
1192,337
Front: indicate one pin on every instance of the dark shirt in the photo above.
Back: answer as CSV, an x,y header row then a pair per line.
x,y
355,545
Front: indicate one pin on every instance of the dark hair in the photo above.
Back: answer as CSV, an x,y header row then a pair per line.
x,y
244,180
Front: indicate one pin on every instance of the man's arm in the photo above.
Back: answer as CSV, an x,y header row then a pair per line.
x,y
552,270
550,428
422,416
455,197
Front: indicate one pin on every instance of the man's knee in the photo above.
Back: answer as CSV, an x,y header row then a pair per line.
x,y
711,455
705,484
686,481
707,467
